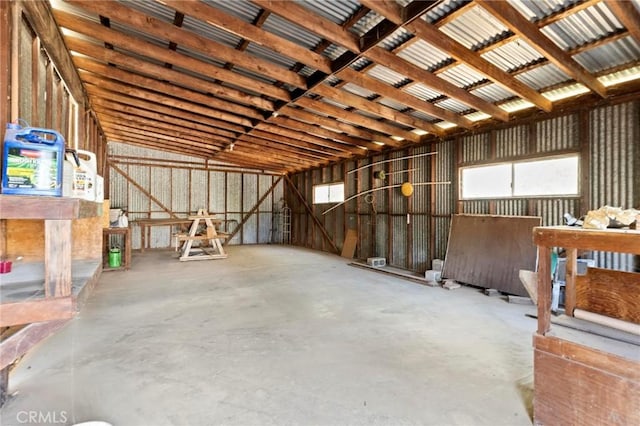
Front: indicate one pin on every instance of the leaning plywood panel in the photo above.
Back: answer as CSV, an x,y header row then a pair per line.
x,y
489,251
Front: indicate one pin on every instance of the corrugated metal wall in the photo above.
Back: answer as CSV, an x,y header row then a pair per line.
x,y
184,184
606,138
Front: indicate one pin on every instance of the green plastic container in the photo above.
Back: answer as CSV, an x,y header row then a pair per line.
x,y
115,257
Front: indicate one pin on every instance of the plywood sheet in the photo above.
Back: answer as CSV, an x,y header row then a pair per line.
x,y
349,245
611,293
489,251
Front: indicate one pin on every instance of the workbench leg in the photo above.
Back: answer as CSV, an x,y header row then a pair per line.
x,y
544,289
57,258
570,281
4,385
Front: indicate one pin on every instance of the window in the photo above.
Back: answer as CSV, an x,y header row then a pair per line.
x,y
331,193
557,176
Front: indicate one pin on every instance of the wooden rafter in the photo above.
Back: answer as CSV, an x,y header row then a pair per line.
x,y
628,14
528,31
432,35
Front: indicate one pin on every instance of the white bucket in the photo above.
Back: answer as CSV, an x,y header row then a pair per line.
x,y
73,176
89,164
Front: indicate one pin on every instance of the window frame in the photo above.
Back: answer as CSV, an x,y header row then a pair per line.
x,y
512,164
328,185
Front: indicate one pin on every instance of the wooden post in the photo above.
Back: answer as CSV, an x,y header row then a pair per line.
x,y
57,258
544,289
570,281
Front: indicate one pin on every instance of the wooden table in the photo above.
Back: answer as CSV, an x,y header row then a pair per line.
x,y
146,224
575,383
126,250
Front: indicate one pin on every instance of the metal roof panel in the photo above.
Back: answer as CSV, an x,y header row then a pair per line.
x,y
366,23
337,11
462,75
543,76
512,55
357,90
443,9
609,55
269,55
290,31
474,28
424,55
453,105
387,75
492,93
534,10
209,31
422,92
239,8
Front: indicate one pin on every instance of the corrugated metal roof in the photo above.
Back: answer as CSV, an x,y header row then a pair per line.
x,y
564,92
334,51
268,54
423,116
583,27
67,7
239,8
512,55
424,55
387,75
392,104
516,105
306,71
422,92
367,22
151,8
116,26
357,90
453,105
444,8
360,64
334,103
290,31
199,56
543,76
395,39
137,56
492,93
609,55
474,28
214,33
461,75
253,75
538,9
337,11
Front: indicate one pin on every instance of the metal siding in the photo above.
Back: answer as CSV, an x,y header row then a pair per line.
x,y
398,253
249,191
160,186
441,234
421,198
475,207
138,201
421,238
512,141
557,134
511,207
266,228
118,188
234,191
250,230
237,217
382,235
614,133
216,192
551,210
198,190
475,148
445,172
180,186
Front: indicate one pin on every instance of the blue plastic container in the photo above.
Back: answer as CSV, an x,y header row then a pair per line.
x,y
32,161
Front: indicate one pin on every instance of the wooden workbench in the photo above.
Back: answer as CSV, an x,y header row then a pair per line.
x,y
576,383
146,224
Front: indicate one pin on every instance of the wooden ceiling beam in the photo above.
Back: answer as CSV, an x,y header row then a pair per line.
x,y
115,79
358,120
312,22
247,31
628,14
99,92
327,152
110,73
152,144
346,150
143,48
322,132
222,120
529,32
363,104
133,112
386,90
273,144
172,76
167,128
429,33
339,126
133,133
141,22
274,154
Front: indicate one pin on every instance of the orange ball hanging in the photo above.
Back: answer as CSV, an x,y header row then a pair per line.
x,y
407,189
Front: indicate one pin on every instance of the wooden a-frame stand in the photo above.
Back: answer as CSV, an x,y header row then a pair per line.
x,y
210,244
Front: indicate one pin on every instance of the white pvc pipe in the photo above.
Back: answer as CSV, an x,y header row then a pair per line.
x,y
626,326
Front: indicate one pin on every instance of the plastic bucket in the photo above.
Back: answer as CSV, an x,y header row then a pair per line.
x,y
115,257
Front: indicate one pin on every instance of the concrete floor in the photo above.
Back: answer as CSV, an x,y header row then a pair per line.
x,y
278,335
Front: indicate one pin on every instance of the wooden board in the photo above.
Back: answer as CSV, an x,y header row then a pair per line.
x,y
489,251
578,385
350,243
612,293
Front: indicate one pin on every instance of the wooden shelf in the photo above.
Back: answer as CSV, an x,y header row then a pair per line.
x,y
47,208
